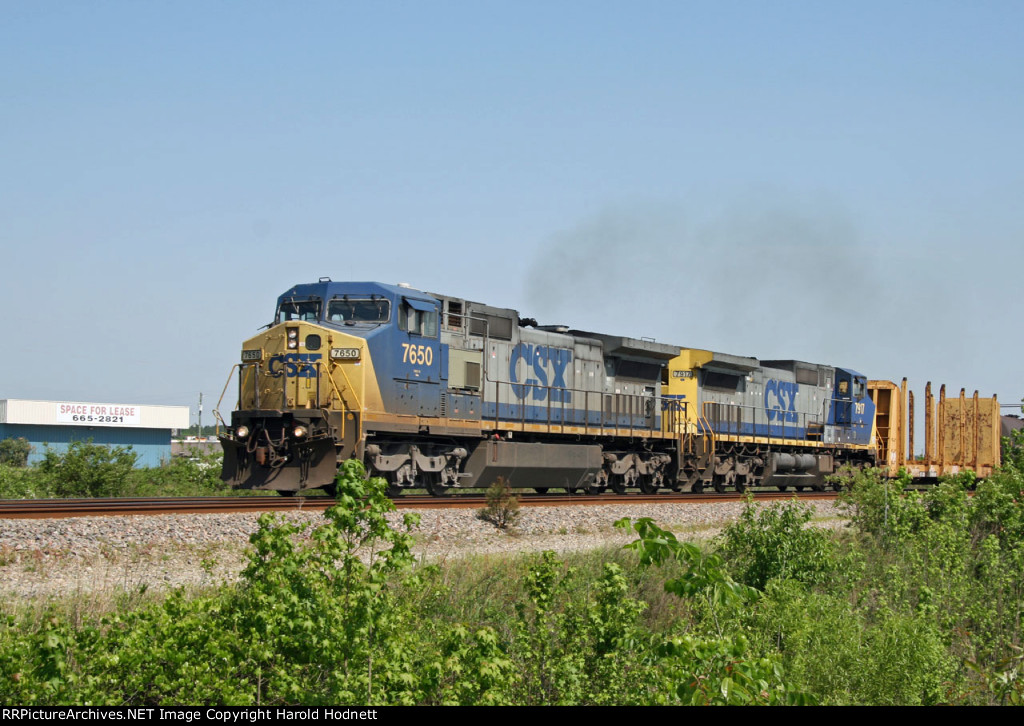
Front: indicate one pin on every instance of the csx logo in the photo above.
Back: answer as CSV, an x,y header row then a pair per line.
x,y
293,365
544,366
780,400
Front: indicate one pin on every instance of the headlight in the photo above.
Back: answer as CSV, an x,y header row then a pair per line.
x,y
241,432
293,338
299,431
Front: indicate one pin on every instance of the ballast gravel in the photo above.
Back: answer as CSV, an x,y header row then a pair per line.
x,y
93,555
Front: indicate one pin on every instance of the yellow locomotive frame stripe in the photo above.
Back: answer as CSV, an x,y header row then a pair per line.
x,y
773,441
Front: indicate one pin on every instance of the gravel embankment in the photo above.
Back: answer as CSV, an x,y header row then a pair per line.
x,y
91,555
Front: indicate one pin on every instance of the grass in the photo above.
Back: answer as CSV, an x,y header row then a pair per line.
x,y
462,587
109,580
472,589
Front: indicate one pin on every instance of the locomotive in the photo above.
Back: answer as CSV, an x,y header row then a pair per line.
x,y
439,392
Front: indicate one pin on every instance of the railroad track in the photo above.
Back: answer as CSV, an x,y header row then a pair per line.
x,y
61,508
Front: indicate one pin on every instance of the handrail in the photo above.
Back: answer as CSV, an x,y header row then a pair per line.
x,y
711,436
341,398
216,409
804,420
350,387
556,412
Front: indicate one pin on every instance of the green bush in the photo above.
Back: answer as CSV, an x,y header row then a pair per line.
x,y
196,476
502,508
86,469
15,452
91,470
775,542
17,482
949,566
710,666
1013,450
578,645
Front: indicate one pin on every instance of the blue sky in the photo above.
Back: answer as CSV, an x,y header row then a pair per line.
x,y
831,182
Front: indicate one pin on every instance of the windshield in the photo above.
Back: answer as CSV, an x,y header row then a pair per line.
x,y
359,311
298,310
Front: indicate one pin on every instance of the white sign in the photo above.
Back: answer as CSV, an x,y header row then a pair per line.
x,y
97,414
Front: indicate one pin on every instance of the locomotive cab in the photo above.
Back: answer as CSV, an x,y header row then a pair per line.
x,y
305,383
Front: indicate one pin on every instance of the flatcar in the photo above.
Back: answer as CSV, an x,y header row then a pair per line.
x,y
439,392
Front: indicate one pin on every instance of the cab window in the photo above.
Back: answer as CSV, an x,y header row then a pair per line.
x,y
308,310
418,317
359,311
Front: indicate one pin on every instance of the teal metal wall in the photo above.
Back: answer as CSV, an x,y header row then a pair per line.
x,y
153,446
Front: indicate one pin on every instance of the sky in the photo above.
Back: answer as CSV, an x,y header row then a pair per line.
x,y
831,182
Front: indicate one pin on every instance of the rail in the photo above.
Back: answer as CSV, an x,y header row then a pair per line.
x,y
709,433
348,382
216,410
732,419
346,408
641,414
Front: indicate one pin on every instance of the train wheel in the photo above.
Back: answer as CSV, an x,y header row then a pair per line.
x,y
541,490
648,485
331,490
698,487
287,493
599,484
618,483
393,479
432,483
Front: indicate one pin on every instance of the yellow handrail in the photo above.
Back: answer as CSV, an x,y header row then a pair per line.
x,y
216,410
711,432
350,387
341,398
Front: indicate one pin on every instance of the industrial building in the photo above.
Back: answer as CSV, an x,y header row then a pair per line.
x,y
147,429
